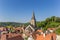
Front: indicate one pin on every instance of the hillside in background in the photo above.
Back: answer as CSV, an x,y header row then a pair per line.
x,y
51,22
14,24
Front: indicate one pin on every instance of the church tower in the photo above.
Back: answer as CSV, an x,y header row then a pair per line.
x,y
33,20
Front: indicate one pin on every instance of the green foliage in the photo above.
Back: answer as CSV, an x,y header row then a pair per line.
x,y
9,26
14,24
26,24
58,31
51,22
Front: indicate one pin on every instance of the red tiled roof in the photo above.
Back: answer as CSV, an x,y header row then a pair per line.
x,y
15,38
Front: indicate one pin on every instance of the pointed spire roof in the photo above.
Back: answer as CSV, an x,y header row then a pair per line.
x,y
33,20
33,15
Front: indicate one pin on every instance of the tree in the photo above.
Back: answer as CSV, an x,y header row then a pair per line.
x,y
10,28
58,31
53,18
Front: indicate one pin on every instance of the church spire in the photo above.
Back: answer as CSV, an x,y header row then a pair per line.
x,y
33,15
33,20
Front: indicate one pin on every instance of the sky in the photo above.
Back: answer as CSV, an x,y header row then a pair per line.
x,y
21,10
